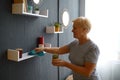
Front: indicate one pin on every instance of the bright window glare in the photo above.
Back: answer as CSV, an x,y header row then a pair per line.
x,y
105,19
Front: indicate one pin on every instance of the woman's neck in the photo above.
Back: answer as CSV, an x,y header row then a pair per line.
x,y
83,40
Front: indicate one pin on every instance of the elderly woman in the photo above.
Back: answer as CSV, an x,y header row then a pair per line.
x,y
83,52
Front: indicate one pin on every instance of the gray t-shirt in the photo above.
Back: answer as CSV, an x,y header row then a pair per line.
x,y
79,54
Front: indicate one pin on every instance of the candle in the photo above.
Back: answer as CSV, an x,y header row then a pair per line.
x,y
41,40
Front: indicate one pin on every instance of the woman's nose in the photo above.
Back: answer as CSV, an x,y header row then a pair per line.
x,y
72,30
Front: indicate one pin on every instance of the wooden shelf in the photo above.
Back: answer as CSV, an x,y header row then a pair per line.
x,y
14,55
19,9
51,29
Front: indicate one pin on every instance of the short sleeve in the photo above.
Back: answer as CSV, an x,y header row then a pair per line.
x,y
71,44
92,55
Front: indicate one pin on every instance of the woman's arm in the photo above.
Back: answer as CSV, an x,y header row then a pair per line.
x,y
54,50
85,70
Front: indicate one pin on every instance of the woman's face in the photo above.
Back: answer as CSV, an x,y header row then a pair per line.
x,y
78,32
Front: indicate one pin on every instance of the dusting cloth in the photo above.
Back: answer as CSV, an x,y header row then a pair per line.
x,y
33,52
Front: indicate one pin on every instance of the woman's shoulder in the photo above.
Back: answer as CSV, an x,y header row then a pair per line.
x,y
93,45
74,42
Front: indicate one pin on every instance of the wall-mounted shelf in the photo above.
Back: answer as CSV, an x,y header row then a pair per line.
x,y
14,55
51,29
19,8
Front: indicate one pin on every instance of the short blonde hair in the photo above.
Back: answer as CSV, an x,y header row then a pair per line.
x,y
83,22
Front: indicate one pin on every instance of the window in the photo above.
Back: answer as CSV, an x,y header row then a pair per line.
x,y
104,16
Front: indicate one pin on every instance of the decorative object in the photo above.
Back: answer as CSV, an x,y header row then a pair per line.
x,y
65,18
36,1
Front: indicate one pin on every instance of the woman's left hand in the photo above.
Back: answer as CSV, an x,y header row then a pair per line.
x,y
58,62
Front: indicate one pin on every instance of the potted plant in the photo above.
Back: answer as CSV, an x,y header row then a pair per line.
x,y
36,10
57,26
55,56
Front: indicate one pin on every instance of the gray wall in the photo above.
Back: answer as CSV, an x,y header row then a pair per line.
x,y
19,31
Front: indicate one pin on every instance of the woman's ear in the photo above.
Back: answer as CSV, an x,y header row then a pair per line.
x,y
85,30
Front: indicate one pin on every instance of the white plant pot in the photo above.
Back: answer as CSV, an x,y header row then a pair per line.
x,y
37,12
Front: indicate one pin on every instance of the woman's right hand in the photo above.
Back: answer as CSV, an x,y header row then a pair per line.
x,y
39,49
59,62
